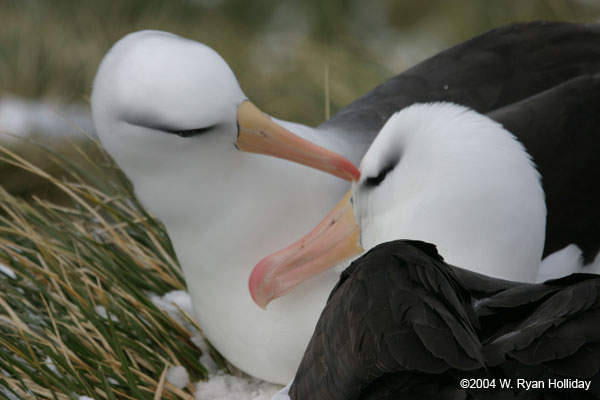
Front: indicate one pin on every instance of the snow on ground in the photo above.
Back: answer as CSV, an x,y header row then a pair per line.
x,y
8,271
51,366
101,311
173,301
178,376
219,386
42,119
7,394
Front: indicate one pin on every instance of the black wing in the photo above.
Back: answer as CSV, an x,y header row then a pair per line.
x,y
492,70
403,324
560,127
396,310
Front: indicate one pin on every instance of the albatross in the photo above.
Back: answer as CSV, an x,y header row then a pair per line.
x,y
166,107
402,322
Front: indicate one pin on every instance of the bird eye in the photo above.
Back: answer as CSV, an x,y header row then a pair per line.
x,y
191,132
150,123
373,181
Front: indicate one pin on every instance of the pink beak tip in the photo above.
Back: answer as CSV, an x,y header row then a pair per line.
x,y
256,283
350,169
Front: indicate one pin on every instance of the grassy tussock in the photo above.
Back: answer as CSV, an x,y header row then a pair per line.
x,y
99,251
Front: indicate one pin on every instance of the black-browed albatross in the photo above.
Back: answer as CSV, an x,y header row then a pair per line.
x,y
426,177
165,109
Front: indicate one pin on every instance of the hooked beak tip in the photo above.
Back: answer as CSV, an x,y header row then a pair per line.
x,y
256,284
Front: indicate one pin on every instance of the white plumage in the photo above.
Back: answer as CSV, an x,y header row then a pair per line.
x,y
460,181
223,209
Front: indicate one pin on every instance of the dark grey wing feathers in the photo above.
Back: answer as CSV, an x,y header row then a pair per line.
x,y
402,324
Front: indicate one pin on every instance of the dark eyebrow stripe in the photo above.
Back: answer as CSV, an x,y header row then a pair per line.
x,y
373,181
151,123
190,132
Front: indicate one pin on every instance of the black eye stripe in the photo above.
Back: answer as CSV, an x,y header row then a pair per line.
x,y
149,123
190,132
373,181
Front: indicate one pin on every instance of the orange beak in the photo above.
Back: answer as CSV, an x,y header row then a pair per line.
x,y
257,133
334,240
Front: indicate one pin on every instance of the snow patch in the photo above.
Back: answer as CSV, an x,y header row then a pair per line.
x,y
51,366
8,394
178,376
227,387
170,302
205,359
8,271
44,120
101,311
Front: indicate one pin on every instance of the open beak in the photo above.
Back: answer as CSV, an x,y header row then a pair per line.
x,y
334,240
257,133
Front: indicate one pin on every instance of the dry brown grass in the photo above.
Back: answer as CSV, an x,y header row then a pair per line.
x,y
100,249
